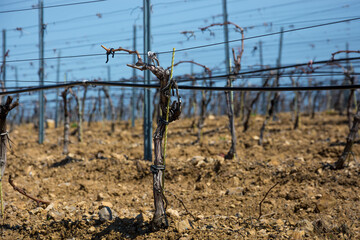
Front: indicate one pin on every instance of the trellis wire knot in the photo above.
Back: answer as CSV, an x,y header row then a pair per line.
x,y
156,168
163,121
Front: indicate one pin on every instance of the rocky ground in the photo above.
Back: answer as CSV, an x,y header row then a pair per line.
x,y
105,177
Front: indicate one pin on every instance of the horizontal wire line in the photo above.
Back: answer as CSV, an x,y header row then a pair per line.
x,y
276,68
53,6
184,87
202,46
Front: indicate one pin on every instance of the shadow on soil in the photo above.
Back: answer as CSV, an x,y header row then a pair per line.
x,y
64,162
127,227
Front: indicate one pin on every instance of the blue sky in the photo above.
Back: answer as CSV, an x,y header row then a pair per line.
x,y
81,29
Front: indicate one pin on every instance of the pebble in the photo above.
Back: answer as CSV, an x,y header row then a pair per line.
x,y
36,211
49,207
172,213
57,216
100,197
196,160
183,226
297,235
235,181
106,214
235,191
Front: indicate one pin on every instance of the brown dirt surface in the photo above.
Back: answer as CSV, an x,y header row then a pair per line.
x,y
310,200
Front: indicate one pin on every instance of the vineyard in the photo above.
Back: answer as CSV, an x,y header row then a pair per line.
x,y
221,196
219,127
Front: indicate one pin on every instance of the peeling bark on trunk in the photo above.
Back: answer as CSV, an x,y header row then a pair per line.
x,y
159,220
349,141
156,111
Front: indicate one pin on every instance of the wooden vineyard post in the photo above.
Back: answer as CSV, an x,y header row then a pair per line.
x,y
4,110
349,141
66,123
167,86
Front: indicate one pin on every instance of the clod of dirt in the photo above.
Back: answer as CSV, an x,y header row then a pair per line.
x,y
325,202
217,166
320,226
100,197
305,225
